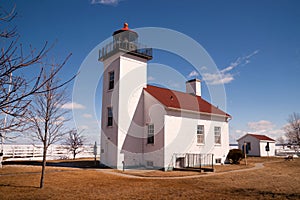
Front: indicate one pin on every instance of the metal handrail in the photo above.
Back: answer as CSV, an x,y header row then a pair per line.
x,y
125,46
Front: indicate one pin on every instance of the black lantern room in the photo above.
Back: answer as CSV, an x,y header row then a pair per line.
x,y
125,40
125,35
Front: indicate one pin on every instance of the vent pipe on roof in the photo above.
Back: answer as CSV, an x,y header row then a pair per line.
x,y
193,87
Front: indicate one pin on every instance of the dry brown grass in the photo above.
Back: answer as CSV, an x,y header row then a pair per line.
x,y
279,179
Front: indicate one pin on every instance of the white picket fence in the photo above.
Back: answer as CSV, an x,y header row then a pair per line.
x,y
35,152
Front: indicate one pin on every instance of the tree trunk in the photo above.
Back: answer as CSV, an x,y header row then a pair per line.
x,y
43,166
74,154
1,159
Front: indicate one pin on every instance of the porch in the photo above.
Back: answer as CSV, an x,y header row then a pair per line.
x,y
193,162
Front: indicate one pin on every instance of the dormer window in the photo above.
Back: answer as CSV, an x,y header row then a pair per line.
x,y
111,82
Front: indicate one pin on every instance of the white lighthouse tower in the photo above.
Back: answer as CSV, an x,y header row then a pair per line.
x,y
125,76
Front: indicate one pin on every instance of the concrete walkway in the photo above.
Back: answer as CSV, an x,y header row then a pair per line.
x,y
257,166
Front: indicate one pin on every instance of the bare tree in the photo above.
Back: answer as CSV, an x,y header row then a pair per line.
x,y
292,129
46,117
15,89
75,142
13,86
281,141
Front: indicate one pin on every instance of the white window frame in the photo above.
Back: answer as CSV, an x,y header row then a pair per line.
x,y
111,82
200,134
218,160
150,133
217,134
110,122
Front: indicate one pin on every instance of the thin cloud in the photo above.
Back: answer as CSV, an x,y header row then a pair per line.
x,y
73,105
150,78
262,125
225,75
217,79
265,127
173,84
88,116
193,74
106,2
83,127
59,120
203,68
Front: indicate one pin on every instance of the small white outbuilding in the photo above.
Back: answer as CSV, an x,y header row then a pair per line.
x,y
257,145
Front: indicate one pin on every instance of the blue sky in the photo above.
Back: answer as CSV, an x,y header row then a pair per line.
x,y
255,45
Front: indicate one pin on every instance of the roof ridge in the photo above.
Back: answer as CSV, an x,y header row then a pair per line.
x,y
177,91
161,97
265,137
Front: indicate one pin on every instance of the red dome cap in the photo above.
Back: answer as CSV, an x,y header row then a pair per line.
x,y
125,28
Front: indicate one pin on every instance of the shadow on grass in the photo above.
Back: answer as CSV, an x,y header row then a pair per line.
x,y
64,163
18,186
250,192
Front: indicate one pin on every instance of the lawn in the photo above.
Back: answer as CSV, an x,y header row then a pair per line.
x,y
279,179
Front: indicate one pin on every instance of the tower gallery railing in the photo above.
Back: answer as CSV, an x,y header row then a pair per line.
x,y
127,47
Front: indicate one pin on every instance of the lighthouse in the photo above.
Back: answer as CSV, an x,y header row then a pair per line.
x,y
125,77
146,126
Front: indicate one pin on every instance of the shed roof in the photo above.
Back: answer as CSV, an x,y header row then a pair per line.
x,y
259,137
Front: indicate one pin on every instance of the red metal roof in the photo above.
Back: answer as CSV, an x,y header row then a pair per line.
x,y
261,137
125,28
183,101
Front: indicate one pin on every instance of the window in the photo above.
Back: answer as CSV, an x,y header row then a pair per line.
x,y
150,163
109,116
150,138
111,80
217,135
200,134
218,160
